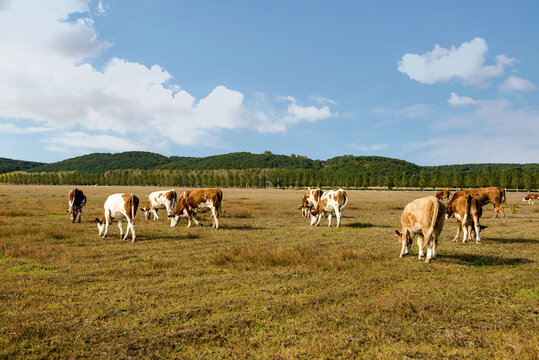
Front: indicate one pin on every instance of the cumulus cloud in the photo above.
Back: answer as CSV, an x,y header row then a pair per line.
x,y
456,100
513,83
45,76
466,62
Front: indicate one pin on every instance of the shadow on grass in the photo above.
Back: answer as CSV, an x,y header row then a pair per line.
x,y
178,236
513,241
482,260
240,227
364,225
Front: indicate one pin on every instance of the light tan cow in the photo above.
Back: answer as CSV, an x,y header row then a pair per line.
x,y
530,197
467,211
76,201
332,201
165,199
310,201
493,194
119,206
425,217
443,195
198,201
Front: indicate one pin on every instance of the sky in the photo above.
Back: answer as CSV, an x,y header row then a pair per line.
x,y
429,82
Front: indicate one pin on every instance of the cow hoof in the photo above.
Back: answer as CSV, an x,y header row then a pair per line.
x,y
421,258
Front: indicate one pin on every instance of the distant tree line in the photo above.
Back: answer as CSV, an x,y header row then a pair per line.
x,y
329,177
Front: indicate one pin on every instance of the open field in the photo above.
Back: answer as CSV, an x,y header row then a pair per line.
x,y
266,285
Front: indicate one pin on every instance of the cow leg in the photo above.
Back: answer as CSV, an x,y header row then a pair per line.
x,y
215,218
435,247
131,225
430,252
107,224
80,214
121,230
195,219
459,225
155,217
329,220
465,232
338,216
421,244
477,230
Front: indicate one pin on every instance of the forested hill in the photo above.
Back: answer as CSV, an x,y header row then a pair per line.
x,y
98,163
9,165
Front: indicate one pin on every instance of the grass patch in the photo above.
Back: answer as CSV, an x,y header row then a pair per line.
x,y
31,269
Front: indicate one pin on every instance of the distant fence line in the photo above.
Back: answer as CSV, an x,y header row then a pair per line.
x,y
280,178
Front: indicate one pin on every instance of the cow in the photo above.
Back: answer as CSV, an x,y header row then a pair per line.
x,y
197,201
493,194
530,197
467,210
165,199
119,206
75,201
310,200
443,195
424,217
332,201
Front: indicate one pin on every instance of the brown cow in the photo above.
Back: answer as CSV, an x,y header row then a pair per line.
x,y
443,195
468,211
530,197
424,217
493,194
165,199
75,200
310,201
192,202
333,201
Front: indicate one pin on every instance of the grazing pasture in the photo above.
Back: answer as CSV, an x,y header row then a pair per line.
x,y
265,285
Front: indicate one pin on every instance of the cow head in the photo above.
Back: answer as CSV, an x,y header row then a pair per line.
x,y
146,212
406,242
100,226
448,212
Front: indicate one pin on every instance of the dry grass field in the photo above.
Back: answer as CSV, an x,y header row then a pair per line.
x,y
266,285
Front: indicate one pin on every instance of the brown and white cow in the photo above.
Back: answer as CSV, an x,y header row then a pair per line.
x,y
310,201
425,217
165,199
443,195
467,210
119,206
530,197
493,194
332,201
198,201
76,201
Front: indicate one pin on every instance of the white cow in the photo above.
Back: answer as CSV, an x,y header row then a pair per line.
x,y
165,199
333,201
119,206
310,201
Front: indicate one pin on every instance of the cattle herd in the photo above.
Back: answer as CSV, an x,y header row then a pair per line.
x,y
423,217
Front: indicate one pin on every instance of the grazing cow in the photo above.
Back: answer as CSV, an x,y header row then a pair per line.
x,y
165,199
443,195
310,201
119,206
332,201
530,197
75,200
493,194
424,217
467,210
198,201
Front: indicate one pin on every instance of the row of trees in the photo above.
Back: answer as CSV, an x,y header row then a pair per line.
x,y
261,178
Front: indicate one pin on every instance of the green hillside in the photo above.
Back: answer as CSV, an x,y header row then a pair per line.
x,y
9,165
98,163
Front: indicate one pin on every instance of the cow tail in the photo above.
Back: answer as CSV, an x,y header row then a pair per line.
x,y
220,198
428,237
134,205
503,196
345,199
467,206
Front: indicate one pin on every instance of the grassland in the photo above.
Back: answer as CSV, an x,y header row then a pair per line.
x,y
266,285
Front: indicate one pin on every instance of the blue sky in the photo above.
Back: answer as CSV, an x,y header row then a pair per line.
x,y
428,82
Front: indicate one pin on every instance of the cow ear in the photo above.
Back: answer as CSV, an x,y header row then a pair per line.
x,y
97,220
398,233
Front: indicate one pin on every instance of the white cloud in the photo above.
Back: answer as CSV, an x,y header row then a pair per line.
x,y
493,131
466,62
456,100
45,77
12,129
78,140
323,100
513,83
